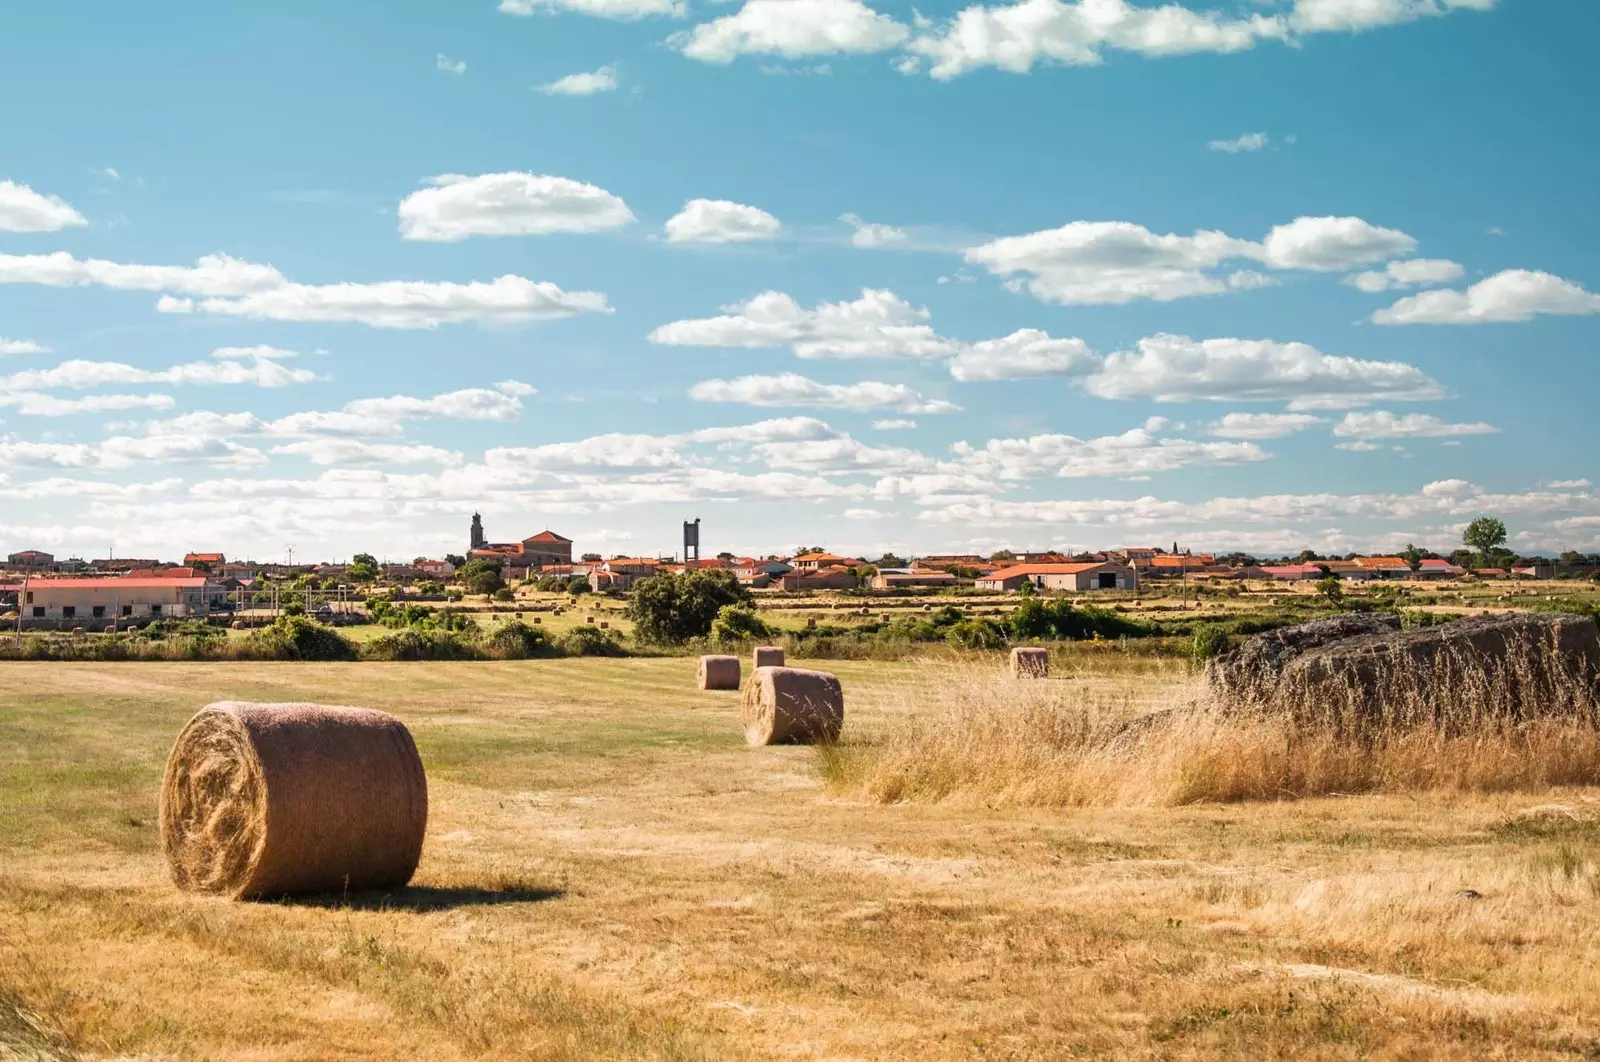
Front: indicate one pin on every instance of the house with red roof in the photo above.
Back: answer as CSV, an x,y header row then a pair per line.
x,y
1103,575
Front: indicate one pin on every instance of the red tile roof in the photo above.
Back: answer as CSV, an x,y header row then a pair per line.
x,y
118,584
1043,569
547,536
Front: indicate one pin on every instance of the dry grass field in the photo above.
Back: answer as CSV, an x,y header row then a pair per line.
x,y
610,873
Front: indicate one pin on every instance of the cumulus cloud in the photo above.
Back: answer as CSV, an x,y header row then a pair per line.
x,y
793,29
1261,425
24,210
507,204
1415,272
1139,452
238,369
1354,16
471,403
791,389
586,84
877,325
237,288
21,346
35,404
1381,424
1115,262
1025,353
894,424
869,235
349,452
1169,368
1513,295
1247,142
720,221
621,10
446,65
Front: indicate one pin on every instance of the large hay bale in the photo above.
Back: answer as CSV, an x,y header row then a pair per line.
x,y
1030,662
719,672
264,800
767,656
792,706
1461,675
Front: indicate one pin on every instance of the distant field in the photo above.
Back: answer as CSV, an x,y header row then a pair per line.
x,y
611,873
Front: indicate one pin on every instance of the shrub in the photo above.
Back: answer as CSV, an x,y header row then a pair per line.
x,y
518,641
977,634
578,586
590,641
672,609
298,638
504,594
738,623
420,644
1209,640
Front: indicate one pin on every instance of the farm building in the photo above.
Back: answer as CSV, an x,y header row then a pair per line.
x,y
100,601
1293,573
1385,567
620,573
1439,568
31,560
816,562
1103,576
895,578
829,578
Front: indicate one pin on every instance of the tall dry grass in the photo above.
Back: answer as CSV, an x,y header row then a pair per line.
x,y
976,735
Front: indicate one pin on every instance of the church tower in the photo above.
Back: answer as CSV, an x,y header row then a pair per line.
x,y
478,541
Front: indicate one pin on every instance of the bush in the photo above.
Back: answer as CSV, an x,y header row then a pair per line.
x,y
1209,640
673,609
739,623
590,641
977,634
421,644
518,641
1061,619
504,594
298,638
578,586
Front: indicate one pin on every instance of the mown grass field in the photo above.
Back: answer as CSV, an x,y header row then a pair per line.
x,y
611,873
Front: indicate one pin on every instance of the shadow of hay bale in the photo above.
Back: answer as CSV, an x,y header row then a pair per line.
x,y
423,898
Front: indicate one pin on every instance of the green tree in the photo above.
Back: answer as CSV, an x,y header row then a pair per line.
x,y
890,560
577,586
1486,534
455,560
737,623
1412,555
481,576
671,609
1002,555
809,549
1331,589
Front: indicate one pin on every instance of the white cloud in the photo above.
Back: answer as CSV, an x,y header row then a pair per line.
x,y
720,221
1407,274
865,514
586,84
243,289
347,452
794,29
1025,353
61,487
1247,142
1261,425
894,424
1325,16
622,10
21,346
24,210
1133,453
340,423
253,353
125,452
1115,262
878,325
1381,424
252,371
868,235
507,204
1569,484
1326,245
842,456
790,389
1512,295
1170,368
1360,446
446,65
34,404
516,388
472,403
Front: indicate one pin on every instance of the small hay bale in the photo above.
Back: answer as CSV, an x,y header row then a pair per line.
x,y
1030,662
77,632
588,619
768,656
112,629
538,620
792,706
719,673
604,625
811,623
263,800
237,625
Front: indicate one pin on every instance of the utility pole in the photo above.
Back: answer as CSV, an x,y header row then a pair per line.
x,y
22,596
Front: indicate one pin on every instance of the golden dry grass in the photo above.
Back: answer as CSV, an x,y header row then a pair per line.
x,y
611,873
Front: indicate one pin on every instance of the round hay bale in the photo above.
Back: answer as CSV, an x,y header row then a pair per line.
x,y
604,625
792,706
237,625
719,673
112,629
811,623
767,656
538,620
1030,662
588,619
265,800
77,632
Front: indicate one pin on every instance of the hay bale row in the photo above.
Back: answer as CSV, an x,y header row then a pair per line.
x,y
262,800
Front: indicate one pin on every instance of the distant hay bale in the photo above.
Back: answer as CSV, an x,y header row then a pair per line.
x,y
811,623
604,625
792,706
719,673
77,632
538,620
263,800
768,656
1030,662
237,625
111,629
588,619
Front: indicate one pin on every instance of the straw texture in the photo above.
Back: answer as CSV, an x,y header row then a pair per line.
x,y
768,656
265,800
719,673
1027,662
792,706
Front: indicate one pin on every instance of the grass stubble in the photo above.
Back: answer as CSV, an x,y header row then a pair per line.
x,y
610,873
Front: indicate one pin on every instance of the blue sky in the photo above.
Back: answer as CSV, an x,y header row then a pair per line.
x,y
1265,274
